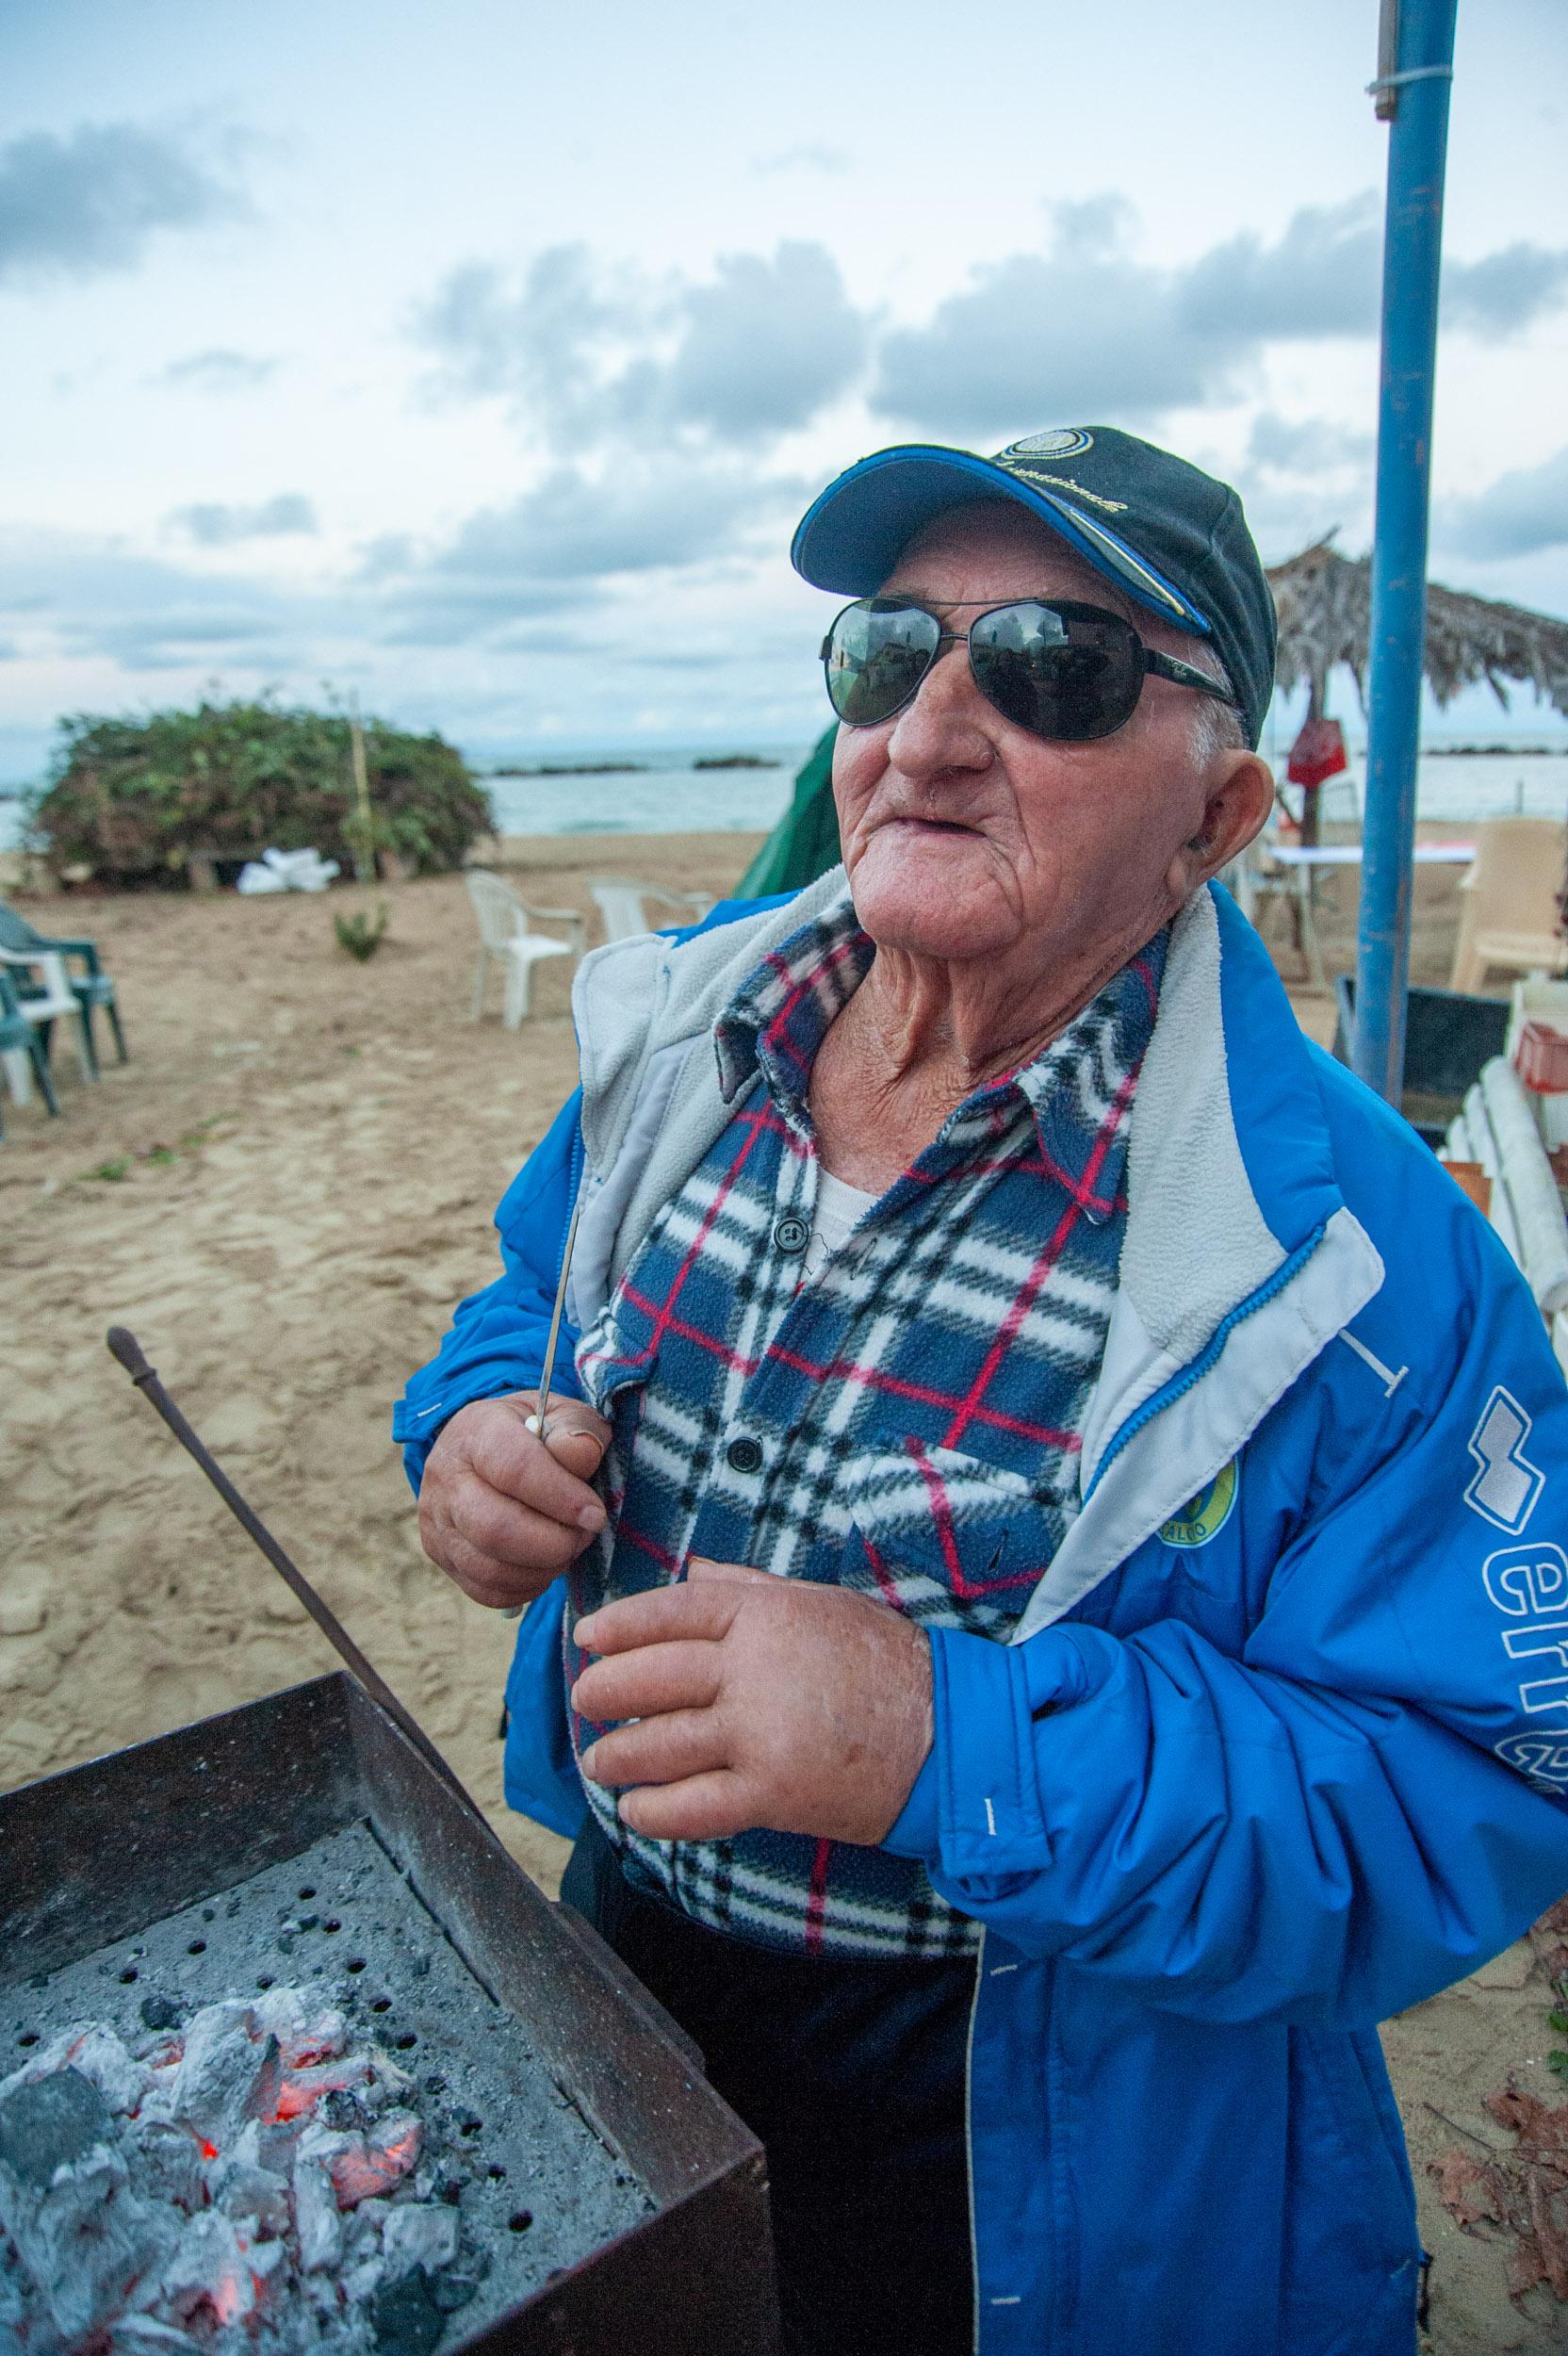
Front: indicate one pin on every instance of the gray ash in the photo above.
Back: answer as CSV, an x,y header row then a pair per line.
x,y
285,2122
193,2189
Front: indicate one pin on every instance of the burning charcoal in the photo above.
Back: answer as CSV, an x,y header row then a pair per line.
x,y
277,2145
86,2239
307,2031
265,2259
166,2165
317,2217
341,2110
418,2236
226,2075
12,2310
364,2269
303,2086
159,2012
406,2319
97,2055
208,2269
224,2190
361,2166
51,2123
141,2336
246,2191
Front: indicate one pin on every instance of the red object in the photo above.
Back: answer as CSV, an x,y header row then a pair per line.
x,y
1317,753
1540,1059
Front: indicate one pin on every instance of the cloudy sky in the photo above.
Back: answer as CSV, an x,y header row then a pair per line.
x,y
483,359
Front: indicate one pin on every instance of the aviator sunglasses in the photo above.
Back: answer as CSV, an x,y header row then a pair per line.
x,y
1062,670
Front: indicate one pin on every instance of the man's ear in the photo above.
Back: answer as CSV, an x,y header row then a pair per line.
x,y
1238,797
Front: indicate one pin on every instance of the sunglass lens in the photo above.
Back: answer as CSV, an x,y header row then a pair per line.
x,y
875,656
1060,673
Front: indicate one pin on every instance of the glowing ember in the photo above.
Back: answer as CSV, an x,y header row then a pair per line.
x,y
249,2187
364,2167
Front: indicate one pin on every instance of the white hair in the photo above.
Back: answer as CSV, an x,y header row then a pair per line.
x,y
1216,727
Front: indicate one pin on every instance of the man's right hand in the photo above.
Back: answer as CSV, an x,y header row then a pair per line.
x,y
502,1512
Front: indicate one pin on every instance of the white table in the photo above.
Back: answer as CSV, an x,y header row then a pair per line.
x,y
1257,873
1350,854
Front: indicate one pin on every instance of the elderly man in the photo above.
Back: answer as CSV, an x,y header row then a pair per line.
x,y
1049,1602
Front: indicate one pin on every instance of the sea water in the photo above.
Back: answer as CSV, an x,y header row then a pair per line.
x,y
664,792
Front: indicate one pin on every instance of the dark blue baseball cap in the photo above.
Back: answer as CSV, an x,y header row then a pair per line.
x,y
1171,537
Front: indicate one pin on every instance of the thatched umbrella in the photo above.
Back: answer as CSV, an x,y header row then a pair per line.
x,y
1325,601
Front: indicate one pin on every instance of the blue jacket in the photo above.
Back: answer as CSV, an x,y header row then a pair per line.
x,y
1280,1745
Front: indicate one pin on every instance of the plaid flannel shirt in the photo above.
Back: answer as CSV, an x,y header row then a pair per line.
x,y
909,1423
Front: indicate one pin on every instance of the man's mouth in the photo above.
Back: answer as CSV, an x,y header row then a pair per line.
x,y
933,825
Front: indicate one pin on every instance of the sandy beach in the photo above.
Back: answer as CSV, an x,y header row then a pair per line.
x,y
283,1195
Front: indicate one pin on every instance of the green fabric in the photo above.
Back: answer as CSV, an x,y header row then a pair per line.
x,y
805,842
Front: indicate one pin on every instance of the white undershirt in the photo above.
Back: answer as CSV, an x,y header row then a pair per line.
x,y
839,1208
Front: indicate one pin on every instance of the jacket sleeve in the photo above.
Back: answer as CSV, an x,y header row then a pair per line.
x,y
1362,1806
497,1341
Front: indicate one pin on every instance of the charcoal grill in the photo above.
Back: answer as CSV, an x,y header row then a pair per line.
x,y
163,1862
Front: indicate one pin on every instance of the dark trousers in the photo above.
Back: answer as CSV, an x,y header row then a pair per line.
x,y
851,2072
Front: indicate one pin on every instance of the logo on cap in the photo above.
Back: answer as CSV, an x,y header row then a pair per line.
x,y
1062,441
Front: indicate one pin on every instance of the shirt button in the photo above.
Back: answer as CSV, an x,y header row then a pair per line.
x,y
792,1234
744,1456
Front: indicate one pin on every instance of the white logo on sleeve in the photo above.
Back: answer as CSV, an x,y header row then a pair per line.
x,y
1528,1585
1506,1485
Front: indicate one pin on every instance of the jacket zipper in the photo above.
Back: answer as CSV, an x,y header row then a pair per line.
x,y
968,2140
1182,1384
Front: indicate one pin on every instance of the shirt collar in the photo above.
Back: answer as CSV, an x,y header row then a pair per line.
x,y
780,1015
1079,1088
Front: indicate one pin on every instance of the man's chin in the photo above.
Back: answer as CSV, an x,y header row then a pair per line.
x,y
933,894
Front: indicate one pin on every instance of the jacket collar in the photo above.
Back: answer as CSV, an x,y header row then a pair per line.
x,y
1228,1169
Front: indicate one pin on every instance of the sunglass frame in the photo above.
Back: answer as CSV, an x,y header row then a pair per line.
x,y
1151,664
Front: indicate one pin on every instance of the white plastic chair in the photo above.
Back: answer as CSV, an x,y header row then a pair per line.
x,y
53,1002
504,928
622,903
1507,903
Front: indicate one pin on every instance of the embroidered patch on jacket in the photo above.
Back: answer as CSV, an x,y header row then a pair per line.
x,y
1206,1511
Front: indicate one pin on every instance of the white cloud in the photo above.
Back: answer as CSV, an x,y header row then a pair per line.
x,y
213,525
1087,330
590,354
220,370
1524,511
92,202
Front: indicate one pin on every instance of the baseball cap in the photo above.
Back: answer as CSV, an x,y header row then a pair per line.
x,y
1171,537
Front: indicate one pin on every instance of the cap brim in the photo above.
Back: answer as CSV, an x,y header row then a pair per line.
x,y
850,537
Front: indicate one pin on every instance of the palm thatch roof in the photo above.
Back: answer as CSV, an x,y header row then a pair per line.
x,y
1325,601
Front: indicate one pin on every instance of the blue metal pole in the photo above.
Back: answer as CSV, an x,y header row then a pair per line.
x,y
1417,90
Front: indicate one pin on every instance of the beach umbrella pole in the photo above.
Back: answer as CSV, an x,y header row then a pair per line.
x,y
1414,73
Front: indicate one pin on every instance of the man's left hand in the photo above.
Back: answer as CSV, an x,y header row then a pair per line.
x,y
759,1702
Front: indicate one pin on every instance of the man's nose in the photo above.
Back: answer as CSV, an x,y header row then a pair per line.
x,y
944,727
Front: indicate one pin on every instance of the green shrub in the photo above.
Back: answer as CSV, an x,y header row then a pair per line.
x,y
131,799
358,935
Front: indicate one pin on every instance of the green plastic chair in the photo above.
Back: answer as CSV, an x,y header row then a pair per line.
x,y
91,989
18,1036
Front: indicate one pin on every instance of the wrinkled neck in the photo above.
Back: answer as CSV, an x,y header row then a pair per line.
x,y
955,1024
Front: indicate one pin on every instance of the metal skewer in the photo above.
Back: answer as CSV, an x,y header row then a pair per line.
x,y
125,1347
536,1421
